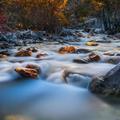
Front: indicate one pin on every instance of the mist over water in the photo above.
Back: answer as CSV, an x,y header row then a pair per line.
x,y
49,97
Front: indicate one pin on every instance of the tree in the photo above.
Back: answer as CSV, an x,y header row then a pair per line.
x,y
36,14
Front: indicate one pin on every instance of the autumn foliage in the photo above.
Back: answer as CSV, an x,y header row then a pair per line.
x,y
36,14
52,15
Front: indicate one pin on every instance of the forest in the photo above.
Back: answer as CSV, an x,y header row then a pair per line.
x,y
19,14
59,59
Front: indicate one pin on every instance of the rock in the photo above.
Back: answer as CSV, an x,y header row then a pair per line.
x,y
4,45
33,49
27,72
91,43
67,49
40,55
36,67
80,61
107,85
117,35
112,60
82,50
23,53
66,32
111,53
93,57
78,80
3,56
3,37
5,52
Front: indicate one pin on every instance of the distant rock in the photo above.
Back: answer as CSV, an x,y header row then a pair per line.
x,y
67,49
23,53
33,49
91,43
107,85
40,55
92,57
82,50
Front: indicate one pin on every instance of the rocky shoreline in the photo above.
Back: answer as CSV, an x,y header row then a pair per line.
x,y
22,38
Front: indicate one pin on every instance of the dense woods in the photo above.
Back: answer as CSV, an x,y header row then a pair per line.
x,y
51,15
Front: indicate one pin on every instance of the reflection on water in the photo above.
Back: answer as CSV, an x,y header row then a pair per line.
x,y
45,99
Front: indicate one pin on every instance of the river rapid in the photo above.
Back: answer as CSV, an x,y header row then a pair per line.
x,y
49,97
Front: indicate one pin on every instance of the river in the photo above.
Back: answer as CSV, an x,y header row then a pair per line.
x,y
49,97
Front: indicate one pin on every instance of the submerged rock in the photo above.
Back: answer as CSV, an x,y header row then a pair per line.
x,y
82,50
3,56
77,80
39,55
107,85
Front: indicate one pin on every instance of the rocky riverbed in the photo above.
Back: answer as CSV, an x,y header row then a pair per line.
x,y
58,77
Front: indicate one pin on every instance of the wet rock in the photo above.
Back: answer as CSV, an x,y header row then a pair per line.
x,y
4,45
117,35
40,55
33,49
93,57
3,37
27,72
3,56
23,53
32,66
67,49
66,32
5,52
107,85
77,79
82,50
112,59
91,43
110,53
80,61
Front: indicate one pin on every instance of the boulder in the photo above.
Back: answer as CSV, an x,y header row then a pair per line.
x,y
92,57
27,72
32,66
67,49
107,85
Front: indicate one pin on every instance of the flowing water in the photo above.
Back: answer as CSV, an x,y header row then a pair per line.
x,y
49,97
